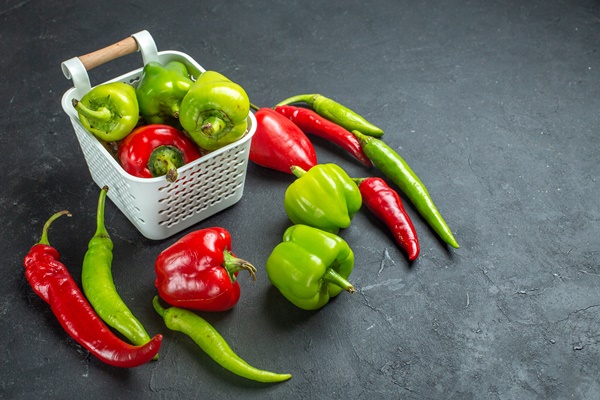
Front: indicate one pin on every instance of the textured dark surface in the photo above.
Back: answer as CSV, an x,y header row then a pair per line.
x,y
495,104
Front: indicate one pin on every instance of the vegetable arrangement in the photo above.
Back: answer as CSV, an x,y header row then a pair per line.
x,y
171,119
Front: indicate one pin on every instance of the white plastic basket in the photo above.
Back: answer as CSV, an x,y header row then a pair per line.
x,y
157,208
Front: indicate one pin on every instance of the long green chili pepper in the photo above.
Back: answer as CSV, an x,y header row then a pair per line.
x,y
335,112
98,285
394,167
212,343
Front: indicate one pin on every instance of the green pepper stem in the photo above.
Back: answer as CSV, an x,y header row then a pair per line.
x,y
297,171
44,239
100,227
164,160
213,125
333,277
101,114
233,264
362,138
159,309
301,98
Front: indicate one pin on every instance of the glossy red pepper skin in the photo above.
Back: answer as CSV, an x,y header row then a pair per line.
x,y
198,272
51,280
279,144
312,123
385,203
136,150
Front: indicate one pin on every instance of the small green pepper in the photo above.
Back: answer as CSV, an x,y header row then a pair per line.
x,y
214,111
324,197
208,339
310,266
161,90
109,111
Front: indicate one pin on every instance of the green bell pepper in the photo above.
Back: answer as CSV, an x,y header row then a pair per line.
x,y
161,90
109,111
310,266
214,111
324,197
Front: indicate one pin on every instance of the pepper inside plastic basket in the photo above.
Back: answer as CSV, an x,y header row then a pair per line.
x,y
157,208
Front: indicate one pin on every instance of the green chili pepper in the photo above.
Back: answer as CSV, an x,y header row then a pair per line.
x,y
161,90
394,167
98,285
214,111
335,112
109,111
324,197
212,343
310,266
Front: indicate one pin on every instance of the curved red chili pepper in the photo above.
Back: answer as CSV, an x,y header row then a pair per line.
x,y
385,203
279,144
311,122
51,280
199,271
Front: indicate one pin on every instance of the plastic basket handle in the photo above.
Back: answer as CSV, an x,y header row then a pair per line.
x,y
76,68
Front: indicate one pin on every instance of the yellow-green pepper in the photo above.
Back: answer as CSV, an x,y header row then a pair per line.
x,y
310,266
161,90
214,111
109,111
324,197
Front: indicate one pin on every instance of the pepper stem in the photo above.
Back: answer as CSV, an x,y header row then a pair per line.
x,y
301,98
254,107
44,239
164,160
101,114
333,277
362,138
358,181
297,171
213,126
159,309
100,227
233,264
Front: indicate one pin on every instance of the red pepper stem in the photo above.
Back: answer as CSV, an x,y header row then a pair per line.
x,y
44,239
358,181
100,227
254,107
301,98
101,114
233,264
297,171
333,277
164,160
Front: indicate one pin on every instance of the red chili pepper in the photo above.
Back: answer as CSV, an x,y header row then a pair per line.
x,y
311,122
156,150
385,203
199,271
279,144
51,280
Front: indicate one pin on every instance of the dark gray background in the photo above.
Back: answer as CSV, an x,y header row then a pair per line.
x,y
495,104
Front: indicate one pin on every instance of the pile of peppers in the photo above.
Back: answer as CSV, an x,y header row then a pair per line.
x,y
170,119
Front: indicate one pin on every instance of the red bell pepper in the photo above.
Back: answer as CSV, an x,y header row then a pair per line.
x,y
279,144
312,123
156,150
199,271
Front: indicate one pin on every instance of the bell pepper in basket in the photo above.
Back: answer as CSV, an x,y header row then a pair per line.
x,y
199,271
109,111
161,90
279,144
324,197
214,111
310,266
156,150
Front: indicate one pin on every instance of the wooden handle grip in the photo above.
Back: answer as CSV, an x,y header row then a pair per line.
x,y
109,53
